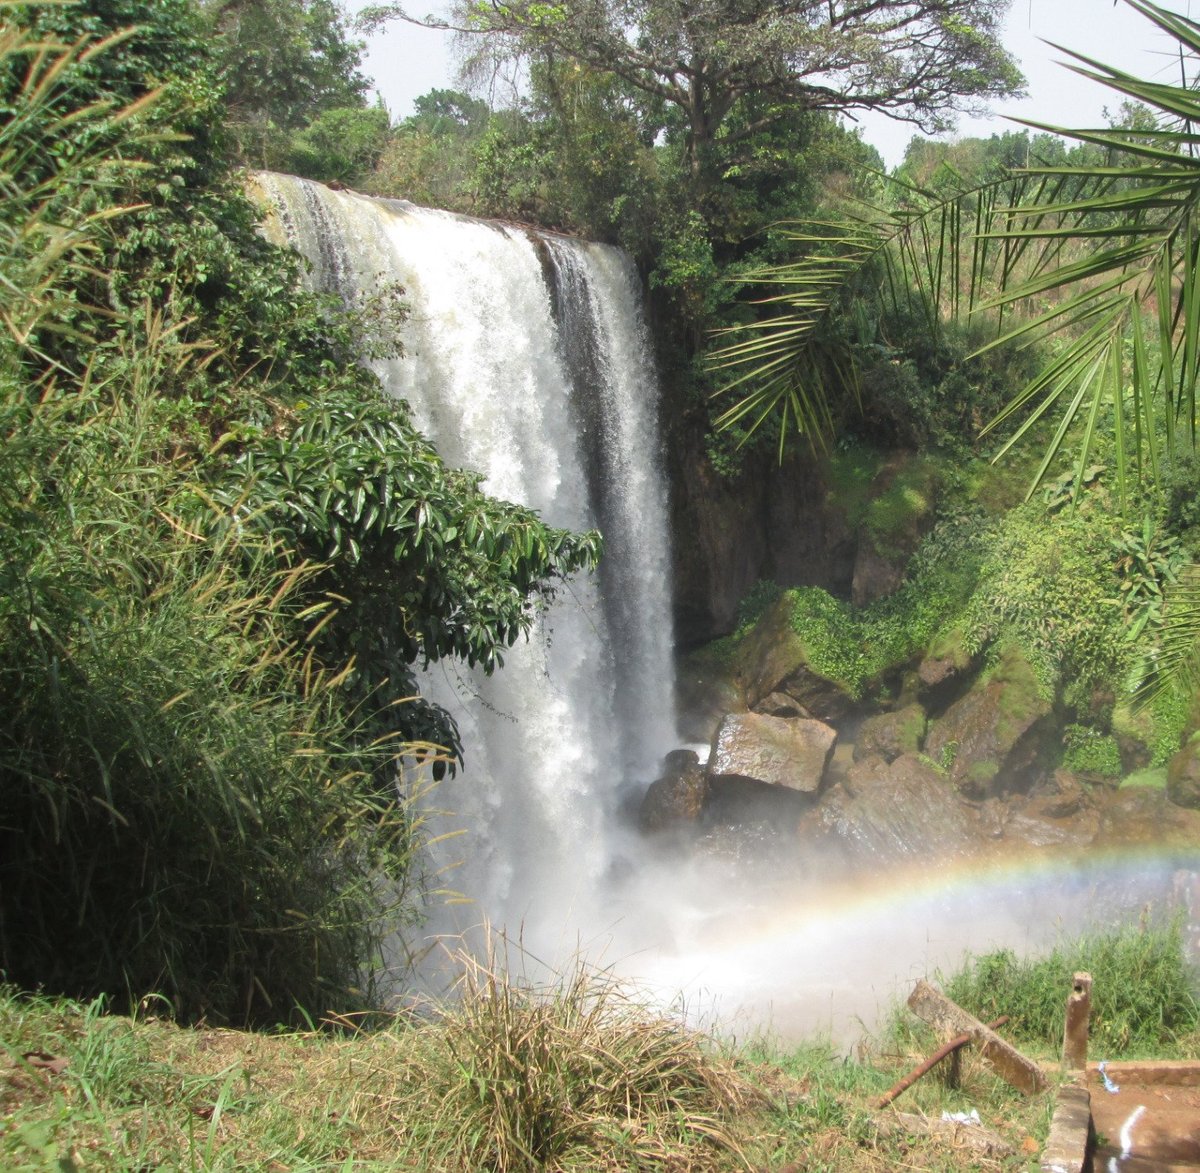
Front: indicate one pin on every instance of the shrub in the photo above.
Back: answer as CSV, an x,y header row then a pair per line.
x,y
1143,993
527,1077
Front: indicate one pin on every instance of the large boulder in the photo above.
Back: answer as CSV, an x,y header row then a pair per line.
x,y
773,658
1061,813
886,813
776,751
891,735
677,799
1142,816
991,740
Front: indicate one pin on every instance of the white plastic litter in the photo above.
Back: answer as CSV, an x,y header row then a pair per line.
x,y
971,1117
1109,1086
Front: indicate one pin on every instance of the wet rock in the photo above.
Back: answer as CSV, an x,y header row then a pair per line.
x,y
894,812
874,577
705,691
1050,820
792,753
991,739
677,799
1183,775
1143,816
890,735
779,704
773,658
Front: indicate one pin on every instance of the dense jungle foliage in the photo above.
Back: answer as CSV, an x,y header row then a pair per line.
x,y
207,712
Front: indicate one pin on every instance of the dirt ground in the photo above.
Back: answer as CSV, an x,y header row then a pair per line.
x,y
1145,1126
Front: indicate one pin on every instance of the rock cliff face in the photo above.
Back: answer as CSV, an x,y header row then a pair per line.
x,y
789,522
960,763
770,522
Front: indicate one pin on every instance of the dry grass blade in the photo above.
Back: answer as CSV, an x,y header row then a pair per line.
x,y
547,1076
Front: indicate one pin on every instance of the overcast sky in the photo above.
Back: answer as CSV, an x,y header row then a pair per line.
x,y
406,61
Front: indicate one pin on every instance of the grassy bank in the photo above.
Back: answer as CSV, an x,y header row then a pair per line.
x,y
581,1075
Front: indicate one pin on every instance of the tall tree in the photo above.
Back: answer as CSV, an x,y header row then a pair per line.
x,y
285,64
919,61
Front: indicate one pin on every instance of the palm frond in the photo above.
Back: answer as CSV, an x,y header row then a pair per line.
x,y
1109,254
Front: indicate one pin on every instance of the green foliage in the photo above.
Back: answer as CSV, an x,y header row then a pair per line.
x,y
856,647
755,603
187,804
200,797
343,144
1148,563
293,93
1143,991
1090,751
1045,586
427,565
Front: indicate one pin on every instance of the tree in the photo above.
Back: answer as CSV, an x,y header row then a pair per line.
x,y
919,60
1107,245
285,64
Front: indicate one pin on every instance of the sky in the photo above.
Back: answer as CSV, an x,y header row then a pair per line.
x,y
406,61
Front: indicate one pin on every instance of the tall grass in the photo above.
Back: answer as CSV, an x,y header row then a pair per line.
x,y
188,804
576,1074
1144,993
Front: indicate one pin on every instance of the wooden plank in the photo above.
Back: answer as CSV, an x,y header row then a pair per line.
x,y
949,1020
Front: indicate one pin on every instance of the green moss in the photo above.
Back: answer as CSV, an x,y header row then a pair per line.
x,y
1154,778
982,772
912,728
1159,725
950,644
850,473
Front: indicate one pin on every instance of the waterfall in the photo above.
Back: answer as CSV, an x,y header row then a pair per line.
x,y
526,360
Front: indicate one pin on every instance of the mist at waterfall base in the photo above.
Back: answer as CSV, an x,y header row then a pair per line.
x,y
526,359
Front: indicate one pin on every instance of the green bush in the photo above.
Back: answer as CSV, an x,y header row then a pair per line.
x,y
1144,996
1090,751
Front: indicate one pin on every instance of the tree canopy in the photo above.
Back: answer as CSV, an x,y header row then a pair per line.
x,y
919,61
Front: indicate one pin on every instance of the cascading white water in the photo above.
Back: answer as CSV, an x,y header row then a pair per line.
x,y
526,360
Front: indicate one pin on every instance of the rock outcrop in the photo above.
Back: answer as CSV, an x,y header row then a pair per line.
x,y
886,813
1183,775
990,739
890,735
776,751
677,799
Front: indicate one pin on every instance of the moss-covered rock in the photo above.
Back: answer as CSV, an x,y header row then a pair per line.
x,y
1183,775
890,735
992,738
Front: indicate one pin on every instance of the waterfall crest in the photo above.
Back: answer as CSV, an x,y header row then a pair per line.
x,y
526,360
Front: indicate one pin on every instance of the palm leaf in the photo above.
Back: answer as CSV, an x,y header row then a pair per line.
x,y
1026,238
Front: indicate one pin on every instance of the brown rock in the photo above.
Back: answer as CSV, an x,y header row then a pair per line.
x,y
887,813
875,576
990,739
779,752
889,735
1183,775
677,798
779,704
